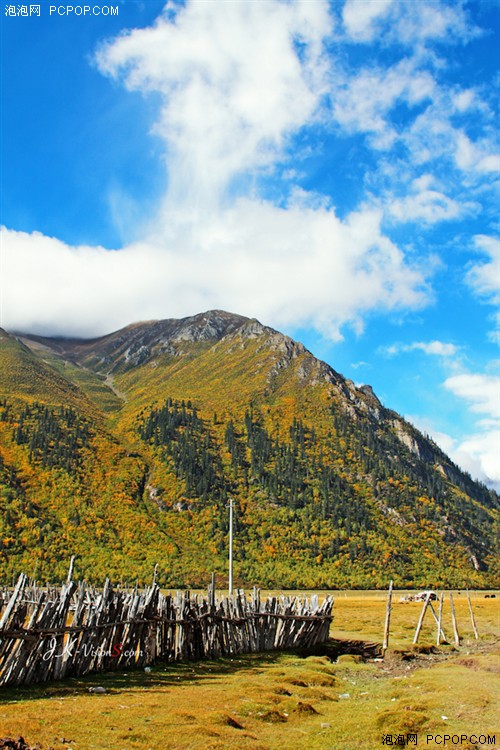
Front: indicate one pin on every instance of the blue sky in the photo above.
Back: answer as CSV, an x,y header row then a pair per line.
x,y
329,168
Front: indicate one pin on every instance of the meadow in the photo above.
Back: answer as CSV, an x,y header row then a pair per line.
x,y
419,695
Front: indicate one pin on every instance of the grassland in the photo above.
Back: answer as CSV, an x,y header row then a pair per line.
x,y
288,701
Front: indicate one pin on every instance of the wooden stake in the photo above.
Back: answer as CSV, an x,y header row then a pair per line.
x,y
454,621
441,631
211,591
387,620
21,581
70,571
440,618
472,616
421,619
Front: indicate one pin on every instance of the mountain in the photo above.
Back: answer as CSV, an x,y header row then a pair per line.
x,y
124,450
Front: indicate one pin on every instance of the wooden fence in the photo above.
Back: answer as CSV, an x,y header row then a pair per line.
x,y
50,634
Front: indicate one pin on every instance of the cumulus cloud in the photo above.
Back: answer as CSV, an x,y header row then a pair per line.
x,y
478,449
494,335
234,85
361,19
484,278
362,102
435,134
476,453
290,265
479,452
425,202
480,156
429,206
405,106
432,348
406,22
481,392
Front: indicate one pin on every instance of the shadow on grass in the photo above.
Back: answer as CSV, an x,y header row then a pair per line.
x,y
333,648
161,675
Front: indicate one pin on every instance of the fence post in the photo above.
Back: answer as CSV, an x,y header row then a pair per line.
x,y
421,619
70,571
472,616
13,599
454,621
211,591
387,620
438,623
440,618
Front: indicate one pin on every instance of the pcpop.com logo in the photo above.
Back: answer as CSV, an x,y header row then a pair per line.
x,y
83,10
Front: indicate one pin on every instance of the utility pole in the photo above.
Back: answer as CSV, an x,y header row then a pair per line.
x,y
230,546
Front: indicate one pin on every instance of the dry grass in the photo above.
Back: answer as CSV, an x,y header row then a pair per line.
x,y
275,701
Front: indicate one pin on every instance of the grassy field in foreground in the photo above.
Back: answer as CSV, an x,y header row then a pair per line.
x,y
274,701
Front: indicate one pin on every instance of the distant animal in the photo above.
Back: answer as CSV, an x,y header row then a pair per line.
x,y
422,596
418,597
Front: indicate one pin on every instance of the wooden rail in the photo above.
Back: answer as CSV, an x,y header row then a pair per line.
x,y
50,634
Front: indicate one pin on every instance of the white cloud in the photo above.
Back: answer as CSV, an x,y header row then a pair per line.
x,y
293,265
431,20
426,202
362,102
436,348
406,22
478,157
481,392
479,452
361,18
464,100
494,335
432,348
478,449
233,85
429,206
484,278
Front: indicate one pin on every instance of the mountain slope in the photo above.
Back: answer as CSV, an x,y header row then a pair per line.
x,y
170,418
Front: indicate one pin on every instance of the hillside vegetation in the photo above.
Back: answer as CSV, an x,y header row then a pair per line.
x,y
124,451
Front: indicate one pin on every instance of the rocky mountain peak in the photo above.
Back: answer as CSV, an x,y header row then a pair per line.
x,y
213,324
